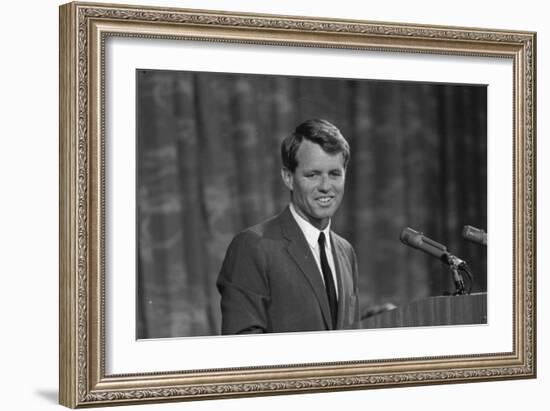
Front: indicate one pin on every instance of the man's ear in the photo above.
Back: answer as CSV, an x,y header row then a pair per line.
x,y
288,178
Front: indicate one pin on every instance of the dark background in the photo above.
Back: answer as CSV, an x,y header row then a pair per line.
x,y
208,166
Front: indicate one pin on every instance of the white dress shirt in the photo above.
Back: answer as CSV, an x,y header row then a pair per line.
x,y
312,237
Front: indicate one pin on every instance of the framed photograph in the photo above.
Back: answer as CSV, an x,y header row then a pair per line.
x,y
260,204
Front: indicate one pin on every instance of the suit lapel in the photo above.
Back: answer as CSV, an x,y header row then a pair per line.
x,y
301,254
343,286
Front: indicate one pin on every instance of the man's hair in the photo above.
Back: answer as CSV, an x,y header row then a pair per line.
x,y
318,131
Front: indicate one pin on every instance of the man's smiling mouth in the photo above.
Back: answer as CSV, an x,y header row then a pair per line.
x,y
324,200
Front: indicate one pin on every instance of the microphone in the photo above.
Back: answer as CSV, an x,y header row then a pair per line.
x,y
419,241
475,235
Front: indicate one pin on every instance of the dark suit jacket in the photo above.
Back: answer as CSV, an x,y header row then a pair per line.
x,y
270,282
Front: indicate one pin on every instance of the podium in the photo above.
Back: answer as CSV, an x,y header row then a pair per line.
x,y
432,311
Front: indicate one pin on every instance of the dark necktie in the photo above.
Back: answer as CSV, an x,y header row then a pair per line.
x,y
329,283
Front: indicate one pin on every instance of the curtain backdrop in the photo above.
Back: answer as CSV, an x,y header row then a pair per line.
x,y
208,166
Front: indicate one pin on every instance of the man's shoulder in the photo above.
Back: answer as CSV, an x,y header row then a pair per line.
x,y
270,228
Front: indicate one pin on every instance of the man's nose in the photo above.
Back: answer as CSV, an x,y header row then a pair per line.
x,y
324,184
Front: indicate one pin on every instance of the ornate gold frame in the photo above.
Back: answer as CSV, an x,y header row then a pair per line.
x,y
83,30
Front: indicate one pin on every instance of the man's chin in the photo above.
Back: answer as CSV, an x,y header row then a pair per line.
x,y
324,214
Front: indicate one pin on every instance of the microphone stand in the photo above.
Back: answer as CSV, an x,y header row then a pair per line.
x,y
455,264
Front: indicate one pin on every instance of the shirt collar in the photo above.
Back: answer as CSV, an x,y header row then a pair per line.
x,y
310,231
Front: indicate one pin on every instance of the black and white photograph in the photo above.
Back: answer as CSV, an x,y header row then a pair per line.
x,y
256,204
276,204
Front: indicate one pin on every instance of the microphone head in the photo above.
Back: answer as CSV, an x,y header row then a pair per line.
x,y
411,237
419,241
474,235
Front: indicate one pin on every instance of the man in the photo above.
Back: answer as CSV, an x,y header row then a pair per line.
x,y
292,273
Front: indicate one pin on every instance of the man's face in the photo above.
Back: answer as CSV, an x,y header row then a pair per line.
x,y
317,184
